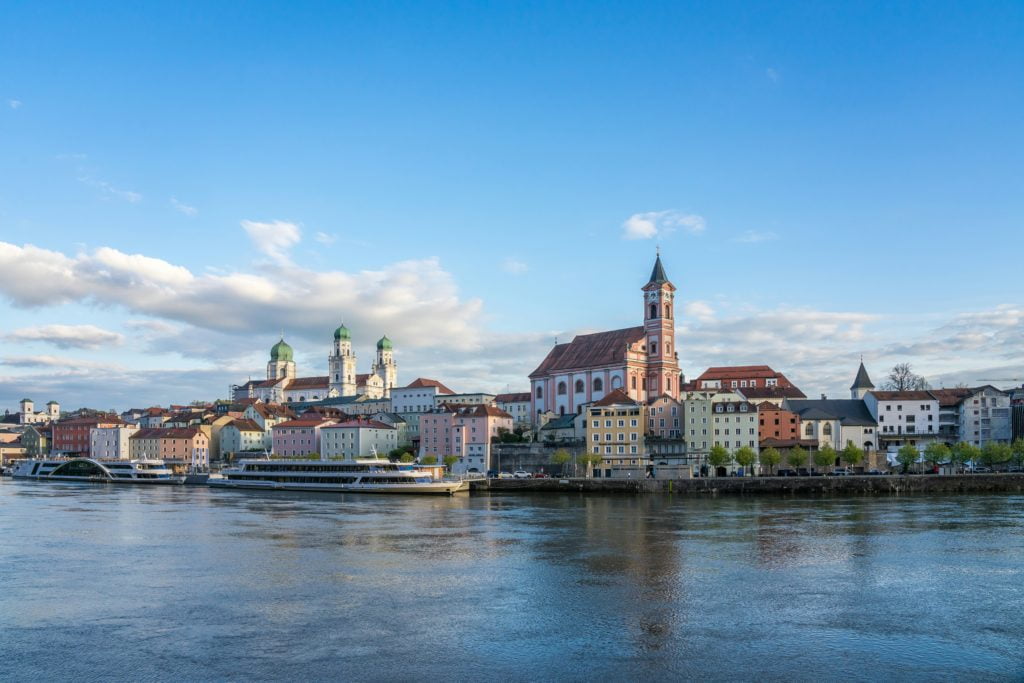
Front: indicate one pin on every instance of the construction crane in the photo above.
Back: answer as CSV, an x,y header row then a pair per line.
x,y
1002,379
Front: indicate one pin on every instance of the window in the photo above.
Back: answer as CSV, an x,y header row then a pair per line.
x,y
561,388
632,382
540,393
654,310
809,431
597,423
827,429
654,348
598,384
579,386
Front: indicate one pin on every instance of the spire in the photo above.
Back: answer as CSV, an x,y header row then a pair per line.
x,y
658,276
862,380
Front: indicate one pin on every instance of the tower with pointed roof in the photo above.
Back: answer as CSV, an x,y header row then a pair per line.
x,y
385,367
662,366
861,384
341,365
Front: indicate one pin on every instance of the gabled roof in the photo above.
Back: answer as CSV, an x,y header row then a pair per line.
x,y
916,395
590,350
245,425
862,381
739,372
519,397
303,422
761,393
273,410
561,422
617,397
360,424
424,383
849,412
308,383
951,397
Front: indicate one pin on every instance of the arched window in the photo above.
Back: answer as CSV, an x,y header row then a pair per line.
x,y
580,387
632,382
654,348
616,382
598,384
654,310
668,384
561,410
561,388
540,392
809,430
827,429
668,310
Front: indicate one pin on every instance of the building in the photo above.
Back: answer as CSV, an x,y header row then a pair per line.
x,y
474,399
641,361
283,385
241,436
154,417
615,426
403,435
774,395
358,438
861,383
463,431
735,425
12,450
837,422
27,414
979,415
266,415
36,440
517,405
697,427
111,443
72,437
418,397
776,424
298,437
740,377
904,418
664,416
177,446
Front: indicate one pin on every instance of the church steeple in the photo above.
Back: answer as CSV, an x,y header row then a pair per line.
x,y
661,369
658,276
862,383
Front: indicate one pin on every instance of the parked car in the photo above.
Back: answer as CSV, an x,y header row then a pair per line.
x,y
505,475
540,475
786,473
491,474
874,472
521,474
982,470
839,472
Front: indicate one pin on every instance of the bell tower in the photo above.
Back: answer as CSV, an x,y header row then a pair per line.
x,y
659,334
341,365
385,367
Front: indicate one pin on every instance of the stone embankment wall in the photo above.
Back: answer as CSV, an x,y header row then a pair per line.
x,y
774,486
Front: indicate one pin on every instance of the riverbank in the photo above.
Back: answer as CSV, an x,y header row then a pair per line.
x,y
768,486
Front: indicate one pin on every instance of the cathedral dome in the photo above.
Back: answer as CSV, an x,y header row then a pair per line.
x,y
281,351
342,333
384,344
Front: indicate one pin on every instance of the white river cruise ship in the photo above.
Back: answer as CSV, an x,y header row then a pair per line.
x,y
362,476
103,471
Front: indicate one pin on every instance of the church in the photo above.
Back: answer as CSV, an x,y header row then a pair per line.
x,y
641,360
282,384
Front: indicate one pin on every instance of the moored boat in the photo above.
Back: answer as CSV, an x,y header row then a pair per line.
x,y
342,476
100,471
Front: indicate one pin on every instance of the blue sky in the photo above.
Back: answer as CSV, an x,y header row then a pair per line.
x,y
825,181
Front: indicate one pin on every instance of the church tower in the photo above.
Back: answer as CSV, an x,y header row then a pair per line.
x,y
341,365
282,362
659,332
861,383
385,367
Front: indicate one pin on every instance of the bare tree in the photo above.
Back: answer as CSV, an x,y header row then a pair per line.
x,y
903,378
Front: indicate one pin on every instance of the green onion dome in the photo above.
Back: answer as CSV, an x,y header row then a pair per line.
x,y
342,334
384,344
281,351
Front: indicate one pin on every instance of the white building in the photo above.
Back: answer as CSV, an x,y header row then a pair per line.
x,y
241,436
419,397
477,399
267,415
977,415
904,418
518,406
358,439
111,443
27,414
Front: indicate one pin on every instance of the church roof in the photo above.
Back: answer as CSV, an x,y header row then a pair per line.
x,y
308,383
862,381
658,276
589,350
849,412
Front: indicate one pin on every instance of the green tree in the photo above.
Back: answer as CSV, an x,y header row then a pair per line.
x,y
963,453
406,457
450,460
589,460
1018,452
825,457
797,457
561,458
907,456
429,460
937,453
745,457
719,457
852,454
771,458
996,453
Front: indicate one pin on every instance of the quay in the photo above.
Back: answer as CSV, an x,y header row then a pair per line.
x,y
865,485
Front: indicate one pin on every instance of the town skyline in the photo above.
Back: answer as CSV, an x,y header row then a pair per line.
x,y
479,183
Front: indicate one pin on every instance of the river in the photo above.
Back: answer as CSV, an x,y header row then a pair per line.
x,y
101,582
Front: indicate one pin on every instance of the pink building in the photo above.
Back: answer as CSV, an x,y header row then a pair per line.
x,y
462,431
298,437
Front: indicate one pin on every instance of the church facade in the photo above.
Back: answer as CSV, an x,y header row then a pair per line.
x,y
642,361
283,385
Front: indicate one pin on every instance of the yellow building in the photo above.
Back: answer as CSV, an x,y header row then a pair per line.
x,y
615,431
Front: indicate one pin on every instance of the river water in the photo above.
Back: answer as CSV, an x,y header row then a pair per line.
x,y
132,583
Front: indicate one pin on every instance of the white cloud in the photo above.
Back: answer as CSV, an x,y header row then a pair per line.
x,y
109,190
68,365
67,336
700,310
14,104
275,239
511,265
325,238
754,236
189,211
651,224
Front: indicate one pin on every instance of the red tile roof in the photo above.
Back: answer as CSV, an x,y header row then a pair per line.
x,y
246,425
424,383
367,424
752,393
589,350
903,395
616,398
273,410
309,383
520,397
304,423
951,397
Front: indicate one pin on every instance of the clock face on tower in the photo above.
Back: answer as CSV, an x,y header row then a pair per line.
x,y
652,296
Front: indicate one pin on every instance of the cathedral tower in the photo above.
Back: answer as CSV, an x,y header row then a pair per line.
x,y
385,367
341,365
282,363
660,331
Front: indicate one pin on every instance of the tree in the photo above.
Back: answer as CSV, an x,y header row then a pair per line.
x,y
428,460
852,454
745,457
797,457
825,456
450,460
963,453
996,453
771,457
561,457
937,453
719,457
907,456
1018,452
903,378
406,457
590,459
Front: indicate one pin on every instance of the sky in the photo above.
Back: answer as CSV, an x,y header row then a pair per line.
x,y
182,182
